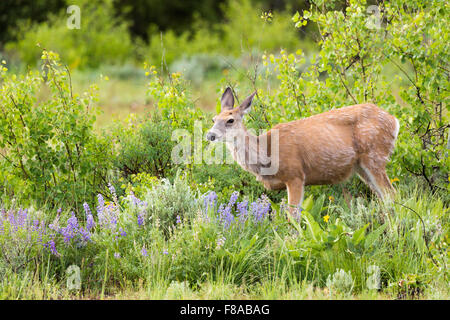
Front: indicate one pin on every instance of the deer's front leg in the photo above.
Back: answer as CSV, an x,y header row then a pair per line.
x,y
295,194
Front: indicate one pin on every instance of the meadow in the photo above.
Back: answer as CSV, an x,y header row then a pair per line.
x,y
93,205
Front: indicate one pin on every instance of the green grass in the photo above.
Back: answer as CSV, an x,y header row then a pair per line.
x,y
271,260
121,91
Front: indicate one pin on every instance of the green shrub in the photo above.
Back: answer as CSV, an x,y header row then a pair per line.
x,y
171,97
243,30
101,39
47,141
170,202
247,29
145,146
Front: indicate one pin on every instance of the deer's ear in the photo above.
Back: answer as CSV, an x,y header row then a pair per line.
x,y
245,105
227,100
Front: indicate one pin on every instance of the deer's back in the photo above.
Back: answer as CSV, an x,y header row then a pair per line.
x,y
325,148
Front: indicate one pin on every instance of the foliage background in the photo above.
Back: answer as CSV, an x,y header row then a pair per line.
x,y
87,118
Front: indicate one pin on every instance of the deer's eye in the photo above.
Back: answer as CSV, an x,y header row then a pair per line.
x,y
230,121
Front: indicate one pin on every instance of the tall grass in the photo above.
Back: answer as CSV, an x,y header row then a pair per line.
x,y
243,248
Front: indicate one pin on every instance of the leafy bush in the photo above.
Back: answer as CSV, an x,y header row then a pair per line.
x,y
101,39
47,140
144,146
244,30
248,29
170,202
172,98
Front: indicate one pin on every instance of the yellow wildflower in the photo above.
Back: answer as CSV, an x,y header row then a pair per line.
x,y
326,218
331,198
395,179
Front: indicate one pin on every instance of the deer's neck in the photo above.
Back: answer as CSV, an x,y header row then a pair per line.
x,y
248,151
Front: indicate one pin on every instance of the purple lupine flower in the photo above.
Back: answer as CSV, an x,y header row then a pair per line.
x,y
298,213
41,231
85,234
113,192
111,189
87,210
260,209
122,232
73,221
52,247
117,255
225,215
140,220
242,208
136,201
209,200
89,217
178,219
220,210
100,200
35,225
233,198
90,222
107,217
101,209
69,232
165,251
53,226
101,203
21,217
144,252
13,219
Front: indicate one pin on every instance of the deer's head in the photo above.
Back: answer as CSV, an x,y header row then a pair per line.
x,y
228,122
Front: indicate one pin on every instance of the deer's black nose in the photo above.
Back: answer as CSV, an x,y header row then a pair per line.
x,y
211,136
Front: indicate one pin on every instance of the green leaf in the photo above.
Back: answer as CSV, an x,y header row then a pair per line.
x,y
308,203
358,235
371,237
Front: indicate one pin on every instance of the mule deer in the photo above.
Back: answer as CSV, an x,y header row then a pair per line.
x,y
322,149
